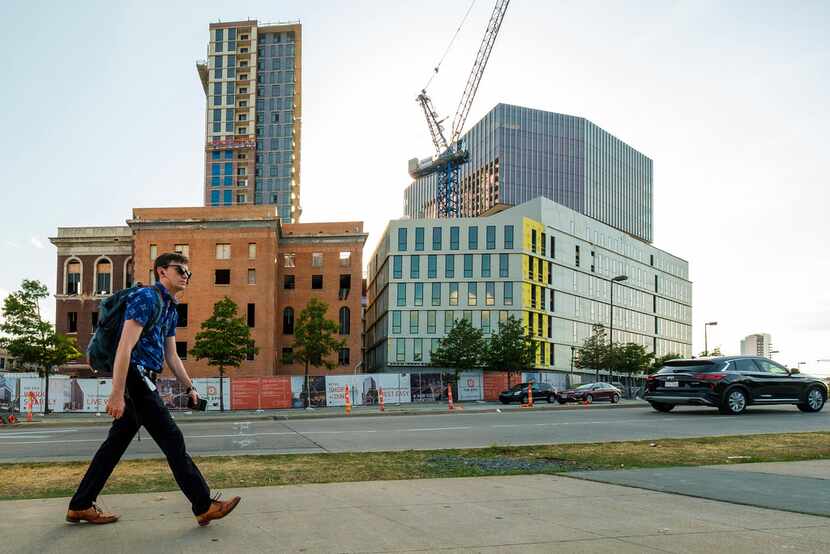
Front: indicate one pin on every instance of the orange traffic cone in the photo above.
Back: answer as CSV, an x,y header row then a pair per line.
x,y
449,397
12,420
380,397
348,401
29,406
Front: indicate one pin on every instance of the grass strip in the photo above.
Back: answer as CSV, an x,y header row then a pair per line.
x,y
48,480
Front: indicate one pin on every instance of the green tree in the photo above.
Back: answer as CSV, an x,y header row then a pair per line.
x,y
510,349
314,339
714,352
31,339
594,352
461,349
225,340
660,361
630,358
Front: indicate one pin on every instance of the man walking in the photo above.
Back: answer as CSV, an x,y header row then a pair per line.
x,y
139,359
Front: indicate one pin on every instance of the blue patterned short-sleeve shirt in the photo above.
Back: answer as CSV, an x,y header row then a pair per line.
x,y
141,307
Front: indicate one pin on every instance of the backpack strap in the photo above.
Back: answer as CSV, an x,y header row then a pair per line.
x,y
159,311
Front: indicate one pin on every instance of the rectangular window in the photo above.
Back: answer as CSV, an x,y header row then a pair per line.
x,y
538,324
154,252
415,267
491,237
288,355
468,315
72,322
453,294
418,347
504,265
552,246
508,237
223,251
533,296
533,240
414,322
182,249
317,282
502,316
437,242
400,350
472,294
402,239
449,321
95,322
576,256
289,260
343,357
472,238
543,242
550,327
454,231
432,266
419,238
181,313
508,293
345,259
251,276
436,294
530,267
550,273
251,315
552,303
397,267
485,322
485,265
468,265
181,349
490,293
288,282
433,345
396,322
401,294
222,277
419,294
431,318
316,259
449,266
251,250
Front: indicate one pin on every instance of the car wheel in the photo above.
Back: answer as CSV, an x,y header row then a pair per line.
x,y
615,398
734,402
589,399
815,400
660,407
550,399
505,402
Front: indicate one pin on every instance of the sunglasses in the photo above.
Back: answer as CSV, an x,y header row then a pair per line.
x,y
181,271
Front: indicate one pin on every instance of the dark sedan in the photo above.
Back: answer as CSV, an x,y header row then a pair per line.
x,y
731,383
518,393
590,393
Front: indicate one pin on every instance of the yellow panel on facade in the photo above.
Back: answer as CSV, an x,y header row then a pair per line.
x,y
527,226
526,295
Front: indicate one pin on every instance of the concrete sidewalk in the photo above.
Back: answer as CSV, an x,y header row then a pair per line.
x,y
536,513
82,419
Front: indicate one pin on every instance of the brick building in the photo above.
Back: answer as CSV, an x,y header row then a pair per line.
x,y
269,270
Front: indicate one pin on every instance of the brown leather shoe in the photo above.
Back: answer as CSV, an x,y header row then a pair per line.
x,y
218,509
93,514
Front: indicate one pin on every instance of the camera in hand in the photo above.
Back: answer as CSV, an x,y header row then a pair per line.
x,y
200,405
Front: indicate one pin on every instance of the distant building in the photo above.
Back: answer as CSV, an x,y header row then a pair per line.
x,y
758,344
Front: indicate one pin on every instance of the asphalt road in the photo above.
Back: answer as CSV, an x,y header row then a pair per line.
x,y
457,430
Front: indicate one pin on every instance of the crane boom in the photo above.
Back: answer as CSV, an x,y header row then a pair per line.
x,y
477,72
435,127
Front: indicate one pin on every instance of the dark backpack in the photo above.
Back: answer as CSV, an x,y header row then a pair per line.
x,y
104,343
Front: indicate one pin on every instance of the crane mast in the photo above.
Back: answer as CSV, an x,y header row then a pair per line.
x,y
450,154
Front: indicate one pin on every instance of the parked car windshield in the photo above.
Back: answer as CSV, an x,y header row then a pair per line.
x,y
583,387
519,386
696,366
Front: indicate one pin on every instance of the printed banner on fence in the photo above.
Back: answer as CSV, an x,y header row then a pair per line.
x,y
317,387
470,385
208,388
88,395
364,389
32,387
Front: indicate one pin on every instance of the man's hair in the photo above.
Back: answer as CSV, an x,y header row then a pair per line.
x,y
166,259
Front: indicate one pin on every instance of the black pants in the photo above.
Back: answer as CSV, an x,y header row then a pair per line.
x,y
144,407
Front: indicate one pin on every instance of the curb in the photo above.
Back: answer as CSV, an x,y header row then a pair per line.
x,y
183,419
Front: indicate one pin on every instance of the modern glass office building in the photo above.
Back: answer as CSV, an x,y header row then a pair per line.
x,y
541,262
252,81
517,154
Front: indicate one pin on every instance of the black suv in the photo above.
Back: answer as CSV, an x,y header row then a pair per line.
x,y
731,383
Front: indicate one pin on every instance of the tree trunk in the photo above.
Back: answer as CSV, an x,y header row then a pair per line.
x,y
307,388
221,389
46,396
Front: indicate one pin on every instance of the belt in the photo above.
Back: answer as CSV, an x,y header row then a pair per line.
x,y
145,372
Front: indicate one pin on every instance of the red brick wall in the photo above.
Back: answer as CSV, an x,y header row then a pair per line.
x,y
494,383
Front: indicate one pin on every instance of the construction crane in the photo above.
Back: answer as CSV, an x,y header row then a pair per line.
x,y
450,153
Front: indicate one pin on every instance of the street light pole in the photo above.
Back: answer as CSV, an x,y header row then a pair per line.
x,y
706,336
573,349
617,279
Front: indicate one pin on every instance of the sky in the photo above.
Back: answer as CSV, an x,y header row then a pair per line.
x,y
103,111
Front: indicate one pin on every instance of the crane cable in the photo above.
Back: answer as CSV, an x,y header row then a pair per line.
x,y
457,31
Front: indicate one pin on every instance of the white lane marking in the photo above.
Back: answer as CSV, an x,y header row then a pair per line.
x,y
431,429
